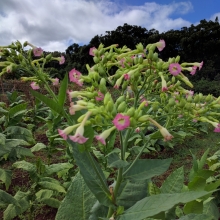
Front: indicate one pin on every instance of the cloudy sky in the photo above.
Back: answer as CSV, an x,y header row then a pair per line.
x,y
53,25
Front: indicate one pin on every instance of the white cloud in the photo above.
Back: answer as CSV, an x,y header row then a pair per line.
x,y
51,24
213,17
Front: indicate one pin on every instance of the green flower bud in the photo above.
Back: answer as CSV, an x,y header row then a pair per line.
x,y
152,47
120,99
177,59
189,98
122,107
135,60
150,54
124,85
165,66
102,86
143,118
155,106
182,103
107,98
101,70
48,57
131,111
140,47
96,59
101,52
110,106
196,98
140,60
188,106
155,57
209,98
171,102
133,122
173,79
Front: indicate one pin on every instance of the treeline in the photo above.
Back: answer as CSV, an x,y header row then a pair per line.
x,y
195,43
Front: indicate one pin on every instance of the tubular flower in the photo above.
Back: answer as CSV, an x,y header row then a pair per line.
x,y
60,59
126,76
104,135
37,51
175,69
35,86
74,76
160,45
122,61
100,96
118,82
74,108
55,81
121,121
189,93
78,137
165,133
66,131
91,51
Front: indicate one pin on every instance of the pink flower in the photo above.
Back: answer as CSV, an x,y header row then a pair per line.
x,y
200,65
144,100
137,130
175,69
100,96
160,45
104,135
164,84
193,71
126,76
122,62
189,93
74,76
78,137
61,60
55,81
35,86
121,121
37,51
165,133
195,120
66,131
91,51
73,108
217,128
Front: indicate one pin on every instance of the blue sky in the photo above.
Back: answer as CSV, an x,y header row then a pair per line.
x,y
55,24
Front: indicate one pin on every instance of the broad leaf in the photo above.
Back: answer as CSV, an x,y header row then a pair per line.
x,y
6,198
193,207
25,166
49,102
174,182
131,191
38,147
197,217
13,210
5,177
52,186
148,168
211,209
62,91
18,110
55,168
86,163
43,193
114,161
78,201
16,132
153,205
52,202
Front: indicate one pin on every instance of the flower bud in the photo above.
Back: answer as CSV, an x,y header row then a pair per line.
x,y
48,57
122,107
150,54
120,99
96,59
107,98
140,47
133,122
101,70
131,111
155,57
143,118
102,86
209,98
165,66
109,106
155,106
196,98
177,59
171,102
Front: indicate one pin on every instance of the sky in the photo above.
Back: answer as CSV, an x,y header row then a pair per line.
x,y
53,25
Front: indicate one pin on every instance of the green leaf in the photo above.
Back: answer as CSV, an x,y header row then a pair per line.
x,y
93,180
43,193
202,161
18,110
5,177
52,186
153,189
78,201
131,191
211,209
174,182
198,183
2,139
197,217
55,168
16,132
52,202
38,147
155,204
6,198
14,210
114,161
22,151
25,166
49,102
148,168
62,90
98,211
193,207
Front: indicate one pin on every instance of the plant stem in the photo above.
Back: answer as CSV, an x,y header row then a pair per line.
x,y
104,186
134,161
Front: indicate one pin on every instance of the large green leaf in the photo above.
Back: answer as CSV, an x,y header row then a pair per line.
x,y
6,198
52,202
153,205
38,147
114,161
131,191
49,102
25,166
16,132
55,168
148,168
62,90
78,201
52,186
93,180
174,182
13,210
211,209
197,217
193,207
5,177
43,193
18,110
